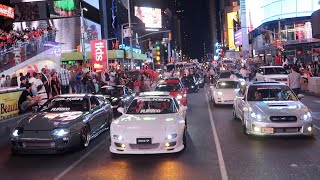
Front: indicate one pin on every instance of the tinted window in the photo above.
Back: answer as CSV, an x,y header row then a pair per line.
x,y
152,106
187,80
113,91
270,93
169,87
228,74
277,70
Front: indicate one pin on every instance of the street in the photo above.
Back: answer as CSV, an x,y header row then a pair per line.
x,y
229,155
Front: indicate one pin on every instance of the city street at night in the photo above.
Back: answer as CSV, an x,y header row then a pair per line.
x,y
231,154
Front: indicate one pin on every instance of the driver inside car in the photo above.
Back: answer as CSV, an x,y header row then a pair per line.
x,y
257,96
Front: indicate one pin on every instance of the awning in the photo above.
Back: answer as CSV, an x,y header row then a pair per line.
x,y
112,54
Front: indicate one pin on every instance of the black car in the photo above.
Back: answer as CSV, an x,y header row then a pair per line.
x,y
190,83
66,121
119,96
199,79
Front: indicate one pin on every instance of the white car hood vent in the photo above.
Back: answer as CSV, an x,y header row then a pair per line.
x,y
277,105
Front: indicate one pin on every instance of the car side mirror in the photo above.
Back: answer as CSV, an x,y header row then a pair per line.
x,y
300,96
120,110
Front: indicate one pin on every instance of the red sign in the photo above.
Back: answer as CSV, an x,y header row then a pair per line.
x,y
6,11
99,54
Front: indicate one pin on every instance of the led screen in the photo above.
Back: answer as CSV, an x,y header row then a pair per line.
x,y
151,17
64,8
261,11
94,3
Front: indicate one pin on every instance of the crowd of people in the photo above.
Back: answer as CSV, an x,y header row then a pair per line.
x,y
16,37
40,86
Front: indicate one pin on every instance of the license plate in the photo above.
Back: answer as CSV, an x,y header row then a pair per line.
x,y
267,130
144,141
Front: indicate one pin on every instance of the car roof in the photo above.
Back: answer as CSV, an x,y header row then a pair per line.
x,y
269,83
155,94
271,67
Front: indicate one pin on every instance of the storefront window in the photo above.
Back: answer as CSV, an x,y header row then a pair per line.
x,y
290,32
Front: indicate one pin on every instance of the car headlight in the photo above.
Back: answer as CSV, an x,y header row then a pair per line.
x,y
171,136
306,117
179,97
117,137
192,86
17,132
60,132
243,83
256,116
219,93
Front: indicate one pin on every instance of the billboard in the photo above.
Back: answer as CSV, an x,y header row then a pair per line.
x,y
99,54
64,8
261,11
30,11
65,31
315,18
238,37
94,3
151,17
6,11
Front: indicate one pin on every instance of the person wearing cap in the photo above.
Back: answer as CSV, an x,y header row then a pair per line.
x,y
27,100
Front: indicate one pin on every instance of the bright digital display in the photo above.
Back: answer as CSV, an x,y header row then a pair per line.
x,y
261,11
151,17
6,11
94,3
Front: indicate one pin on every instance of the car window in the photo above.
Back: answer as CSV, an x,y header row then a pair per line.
x,y
113,91
228,85
275,70
169,87
152,106
270,93
94,102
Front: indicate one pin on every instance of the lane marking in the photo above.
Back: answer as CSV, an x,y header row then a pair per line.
x,y
73,165
222,166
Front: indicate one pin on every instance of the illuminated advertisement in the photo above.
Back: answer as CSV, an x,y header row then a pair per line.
x,y
65,31
6,11
151,17
315,24
9,104
30,11
99,54
64,8
231,17
238,37
261,11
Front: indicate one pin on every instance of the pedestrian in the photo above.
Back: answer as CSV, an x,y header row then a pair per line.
x,y
294,80
14,81
55,86
7,82
64,76
23,81
41,91
45,81
2,81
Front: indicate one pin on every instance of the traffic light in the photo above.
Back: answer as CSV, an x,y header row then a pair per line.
x,y
158,53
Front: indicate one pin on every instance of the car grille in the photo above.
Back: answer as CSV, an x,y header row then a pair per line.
x,y
38,145
283,118
287,130
144,146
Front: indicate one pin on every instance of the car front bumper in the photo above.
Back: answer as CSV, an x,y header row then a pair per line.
x,y
222,100
44,145
281,129
155,148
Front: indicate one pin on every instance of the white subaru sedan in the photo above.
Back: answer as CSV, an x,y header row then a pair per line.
x,y
225,91
272,108
153,123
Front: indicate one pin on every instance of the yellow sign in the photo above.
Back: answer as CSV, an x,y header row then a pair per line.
x,y
230,18
9,104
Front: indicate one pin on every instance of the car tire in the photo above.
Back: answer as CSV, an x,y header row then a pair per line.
x,y
85,136
185,139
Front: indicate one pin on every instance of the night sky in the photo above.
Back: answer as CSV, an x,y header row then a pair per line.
x,y
196,28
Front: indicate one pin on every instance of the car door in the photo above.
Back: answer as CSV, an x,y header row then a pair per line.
x,y
240,103
97,114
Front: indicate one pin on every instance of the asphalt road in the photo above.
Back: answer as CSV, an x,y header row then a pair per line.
x,y
228,155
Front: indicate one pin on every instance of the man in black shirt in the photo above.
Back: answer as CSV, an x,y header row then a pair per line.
x,y
23,81
26,100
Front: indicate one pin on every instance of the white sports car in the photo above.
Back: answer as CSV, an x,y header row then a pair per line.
x,y
153,123
225,91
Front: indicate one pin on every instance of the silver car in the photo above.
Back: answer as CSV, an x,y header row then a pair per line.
x,y
271,108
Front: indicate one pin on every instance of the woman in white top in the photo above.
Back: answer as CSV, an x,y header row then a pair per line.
x,y
41,91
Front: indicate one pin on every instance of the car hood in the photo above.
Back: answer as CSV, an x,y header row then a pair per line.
x,y
46,121
279,108
158,123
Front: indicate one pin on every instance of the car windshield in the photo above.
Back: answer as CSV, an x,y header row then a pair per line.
x,y
65,104
271,93
112,91
152,106
276,70
187,80
228,74
168,87
228,85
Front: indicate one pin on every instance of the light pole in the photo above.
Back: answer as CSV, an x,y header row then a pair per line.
x,y
129,21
